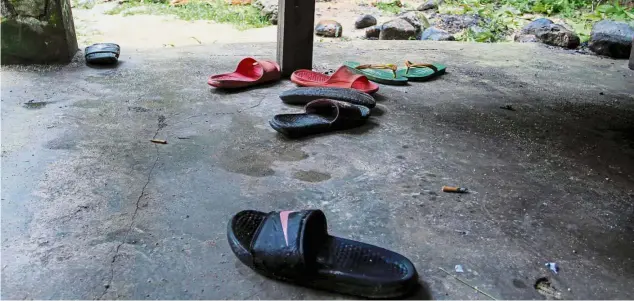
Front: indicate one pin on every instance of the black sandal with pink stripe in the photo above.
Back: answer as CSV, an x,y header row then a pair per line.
x,y
294,246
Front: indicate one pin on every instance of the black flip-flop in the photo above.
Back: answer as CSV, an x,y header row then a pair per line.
x,y
305,95
102,53
295,246
322,115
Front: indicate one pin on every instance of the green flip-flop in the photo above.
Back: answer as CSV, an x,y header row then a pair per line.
x,y
383,74
420,72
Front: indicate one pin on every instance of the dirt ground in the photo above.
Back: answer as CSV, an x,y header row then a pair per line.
x,y
139,31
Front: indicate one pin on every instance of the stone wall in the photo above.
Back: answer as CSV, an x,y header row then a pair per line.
x,y
37,31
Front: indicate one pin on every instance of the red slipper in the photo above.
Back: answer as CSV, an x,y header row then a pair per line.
x,y
250,72
342,78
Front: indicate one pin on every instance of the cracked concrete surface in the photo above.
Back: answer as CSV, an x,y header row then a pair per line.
x,y
92,209
161,124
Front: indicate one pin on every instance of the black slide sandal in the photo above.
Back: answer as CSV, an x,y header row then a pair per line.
x,y
294,246
304,95
322,115
102,53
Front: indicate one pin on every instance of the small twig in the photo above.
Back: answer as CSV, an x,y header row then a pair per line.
x,y
467,284
197,40
159,141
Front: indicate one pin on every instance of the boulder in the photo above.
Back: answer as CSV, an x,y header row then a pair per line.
x,y
417,20
557,35
525,38
373,32
611,38
435,34
430,4
268,8
547,32
457,23
531,27
397,29
328,28
365,21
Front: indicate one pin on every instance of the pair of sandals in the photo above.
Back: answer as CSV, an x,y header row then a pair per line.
x,y
326,109
390,74
361,77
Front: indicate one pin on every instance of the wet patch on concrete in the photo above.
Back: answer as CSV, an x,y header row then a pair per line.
x,y
253,156
62,143
519,283
312,176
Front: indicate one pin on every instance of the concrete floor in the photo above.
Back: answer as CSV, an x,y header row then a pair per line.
x,y
92,209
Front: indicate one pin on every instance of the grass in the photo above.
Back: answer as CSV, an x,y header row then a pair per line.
x,y
503,17
242,16
393,7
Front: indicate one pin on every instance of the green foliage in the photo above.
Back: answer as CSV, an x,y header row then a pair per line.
x,y
242,16
502,17
496,25
83,5
393,7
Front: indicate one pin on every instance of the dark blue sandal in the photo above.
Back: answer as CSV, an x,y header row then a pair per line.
x,y
102,53
322,115
304,95
294,246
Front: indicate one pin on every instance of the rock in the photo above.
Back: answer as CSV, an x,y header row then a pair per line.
x,y
37,32
457,23
531,27
268,8
414,19
328,28
34,8
365,21
373,32
611,38
547,32
397,29
475,29
430,4
525,38
557,35
435,34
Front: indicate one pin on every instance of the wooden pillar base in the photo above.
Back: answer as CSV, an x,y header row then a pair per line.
x,y
295,24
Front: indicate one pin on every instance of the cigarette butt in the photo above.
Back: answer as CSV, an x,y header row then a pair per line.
x,y
159,141
454,189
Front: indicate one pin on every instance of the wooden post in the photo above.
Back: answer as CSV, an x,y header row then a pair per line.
x,y
296,19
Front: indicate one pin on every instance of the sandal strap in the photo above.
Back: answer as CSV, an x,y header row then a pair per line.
x,y
420,65
378,66
286,243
